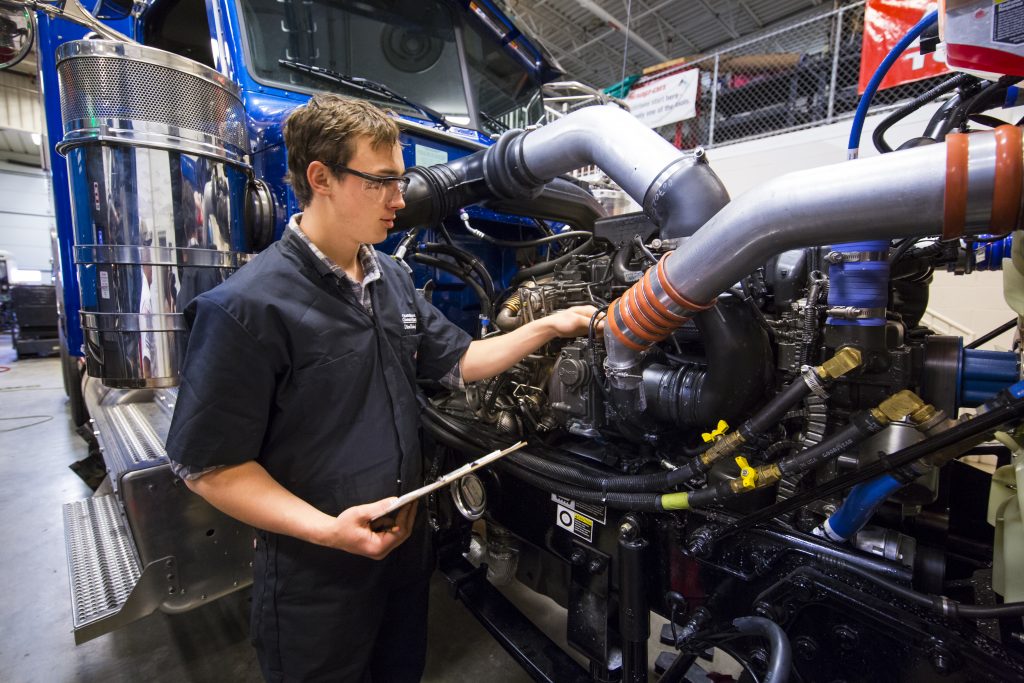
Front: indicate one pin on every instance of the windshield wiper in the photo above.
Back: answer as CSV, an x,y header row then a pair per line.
x,y
364,85
493,121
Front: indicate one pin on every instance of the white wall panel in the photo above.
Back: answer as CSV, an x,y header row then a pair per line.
x,y
26,218
19,103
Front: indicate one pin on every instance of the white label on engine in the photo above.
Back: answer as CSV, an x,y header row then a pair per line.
x,y
104,284
596,512
428,156
574,522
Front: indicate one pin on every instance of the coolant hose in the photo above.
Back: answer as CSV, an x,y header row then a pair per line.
x,y
780,660
860,280
876,80
858,508
862,425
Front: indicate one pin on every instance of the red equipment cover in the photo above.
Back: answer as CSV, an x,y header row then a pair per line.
x,y
885,23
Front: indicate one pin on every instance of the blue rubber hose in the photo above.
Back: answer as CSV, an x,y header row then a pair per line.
x,y
876,80
858,507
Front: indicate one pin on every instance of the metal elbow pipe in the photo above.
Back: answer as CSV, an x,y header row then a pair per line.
x,y
970,185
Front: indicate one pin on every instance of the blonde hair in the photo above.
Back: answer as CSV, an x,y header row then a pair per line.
x,y
325,129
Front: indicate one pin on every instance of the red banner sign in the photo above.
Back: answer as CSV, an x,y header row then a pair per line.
x,y
885,23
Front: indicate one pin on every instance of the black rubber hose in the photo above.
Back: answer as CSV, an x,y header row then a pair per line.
x,y
454,426
549,266
939,603
573,475
739,356
989,95
862,425
878,137
989,336
486,307
534,242
635,483
620,266
642,248
627,489
447,437
465,257
780,661
780,404
641,502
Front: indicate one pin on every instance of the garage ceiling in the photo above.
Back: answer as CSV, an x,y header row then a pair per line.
x,y
587,37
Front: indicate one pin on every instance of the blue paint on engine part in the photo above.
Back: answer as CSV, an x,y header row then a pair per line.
x,y
983,374
862,284
990,255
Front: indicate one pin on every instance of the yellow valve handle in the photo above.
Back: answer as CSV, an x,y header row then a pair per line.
x,y
748,475
719,430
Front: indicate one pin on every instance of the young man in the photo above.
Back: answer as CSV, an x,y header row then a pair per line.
x,y
297,408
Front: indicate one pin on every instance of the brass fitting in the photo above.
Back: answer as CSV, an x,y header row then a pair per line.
x,y
898,406
724,445
845,360
754,477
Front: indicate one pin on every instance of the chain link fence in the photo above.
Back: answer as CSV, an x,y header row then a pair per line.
x,y
800,76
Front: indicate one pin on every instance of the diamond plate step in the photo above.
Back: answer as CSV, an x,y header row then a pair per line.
x,y
108,587
101,559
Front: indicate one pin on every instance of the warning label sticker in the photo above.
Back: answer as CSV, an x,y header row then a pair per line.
x,y
572,521
598,513
1008,26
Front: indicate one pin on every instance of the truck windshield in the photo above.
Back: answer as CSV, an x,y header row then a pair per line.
x,y
408,45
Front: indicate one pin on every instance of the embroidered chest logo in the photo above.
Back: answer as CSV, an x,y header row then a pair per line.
x,y
409,321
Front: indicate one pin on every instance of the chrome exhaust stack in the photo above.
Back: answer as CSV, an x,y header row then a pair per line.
x,y
157,151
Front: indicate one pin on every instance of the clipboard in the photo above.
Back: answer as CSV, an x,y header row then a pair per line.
x,y
383,520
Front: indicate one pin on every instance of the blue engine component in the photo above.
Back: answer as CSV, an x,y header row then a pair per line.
x,y
858,508
985,373
860,279
990,255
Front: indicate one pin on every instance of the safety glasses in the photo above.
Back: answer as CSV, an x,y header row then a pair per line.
x,y
383,186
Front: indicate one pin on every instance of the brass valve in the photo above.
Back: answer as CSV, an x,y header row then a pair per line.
x,y
845,360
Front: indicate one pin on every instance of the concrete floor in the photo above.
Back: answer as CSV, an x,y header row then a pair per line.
x,y
37,444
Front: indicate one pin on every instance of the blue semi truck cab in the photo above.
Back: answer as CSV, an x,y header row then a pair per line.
x,y
168,174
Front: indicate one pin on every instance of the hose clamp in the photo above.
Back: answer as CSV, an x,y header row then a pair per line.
x,y
837,257
856,312
810,378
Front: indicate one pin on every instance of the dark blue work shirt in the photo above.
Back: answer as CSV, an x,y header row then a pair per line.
x,y
285,367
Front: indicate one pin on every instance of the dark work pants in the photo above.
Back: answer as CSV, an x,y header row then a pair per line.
x,y
321,615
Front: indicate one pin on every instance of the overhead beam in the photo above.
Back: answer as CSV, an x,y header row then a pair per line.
x,y
750,13
718,20
651,10
602,14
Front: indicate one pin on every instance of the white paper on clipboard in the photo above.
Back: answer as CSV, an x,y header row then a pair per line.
x,y
446,479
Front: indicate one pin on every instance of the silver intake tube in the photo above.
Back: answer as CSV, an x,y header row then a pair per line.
x,y
630,153
884,197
